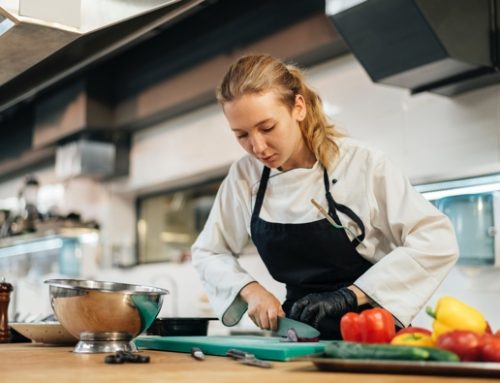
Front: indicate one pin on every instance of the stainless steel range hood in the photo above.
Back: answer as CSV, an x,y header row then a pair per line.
x,y
26,41
42,42
443,46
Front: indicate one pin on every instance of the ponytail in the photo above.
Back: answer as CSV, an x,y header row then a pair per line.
x,y
318,134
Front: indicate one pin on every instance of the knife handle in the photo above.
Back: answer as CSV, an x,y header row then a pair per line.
x,y
238,354
197,353
247,359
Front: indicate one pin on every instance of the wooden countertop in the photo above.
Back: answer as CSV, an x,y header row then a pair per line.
x,y
28,362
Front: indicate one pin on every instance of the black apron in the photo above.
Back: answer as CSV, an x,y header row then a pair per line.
x,y
309,257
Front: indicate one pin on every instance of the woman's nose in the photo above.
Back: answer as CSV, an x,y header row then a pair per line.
x,y
258,144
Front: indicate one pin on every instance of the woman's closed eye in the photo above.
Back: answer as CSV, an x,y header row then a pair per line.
x,y
268,129
244,135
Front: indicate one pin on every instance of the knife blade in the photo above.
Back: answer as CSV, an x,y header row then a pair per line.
x,y
302,330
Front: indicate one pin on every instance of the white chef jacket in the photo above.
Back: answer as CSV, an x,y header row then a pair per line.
x,y
411,244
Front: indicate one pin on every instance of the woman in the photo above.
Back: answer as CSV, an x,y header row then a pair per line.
x,y
387,245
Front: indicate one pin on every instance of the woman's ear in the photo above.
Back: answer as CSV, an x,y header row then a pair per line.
x,y
299,109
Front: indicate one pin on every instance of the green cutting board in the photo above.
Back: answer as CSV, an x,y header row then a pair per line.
x,y
268,348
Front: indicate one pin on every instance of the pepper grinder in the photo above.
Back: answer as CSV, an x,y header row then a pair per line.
x,y
5,289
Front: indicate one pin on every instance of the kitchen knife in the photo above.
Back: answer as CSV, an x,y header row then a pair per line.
x,y
301,329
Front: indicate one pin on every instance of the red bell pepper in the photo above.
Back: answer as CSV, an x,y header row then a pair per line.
x,y
371,326
349,327
466,344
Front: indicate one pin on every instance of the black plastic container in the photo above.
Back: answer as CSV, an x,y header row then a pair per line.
x,y
179,326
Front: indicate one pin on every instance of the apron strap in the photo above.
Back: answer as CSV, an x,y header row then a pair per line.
x,y
333,206
347,211
260,193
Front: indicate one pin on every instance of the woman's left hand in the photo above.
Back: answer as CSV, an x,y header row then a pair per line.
x,y
314,307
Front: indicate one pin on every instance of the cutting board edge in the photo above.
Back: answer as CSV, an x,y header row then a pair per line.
x,y
179,344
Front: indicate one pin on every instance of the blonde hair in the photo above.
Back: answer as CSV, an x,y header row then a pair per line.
x,y
260,73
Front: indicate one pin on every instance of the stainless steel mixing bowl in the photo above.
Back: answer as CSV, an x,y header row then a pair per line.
x,y
105,316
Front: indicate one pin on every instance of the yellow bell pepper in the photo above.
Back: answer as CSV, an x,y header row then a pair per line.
x,y
453,314
413,339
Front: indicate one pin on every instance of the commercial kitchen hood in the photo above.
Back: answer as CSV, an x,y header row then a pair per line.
x,y
42,42
443,46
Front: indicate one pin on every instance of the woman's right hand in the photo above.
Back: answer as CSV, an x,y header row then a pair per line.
x,y
263,307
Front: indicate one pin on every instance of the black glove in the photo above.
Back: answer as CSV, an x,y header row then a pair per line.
x,y
314,307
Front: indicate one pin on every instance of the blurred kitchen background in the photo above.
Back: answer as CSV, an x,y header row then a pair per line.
x,y
112,145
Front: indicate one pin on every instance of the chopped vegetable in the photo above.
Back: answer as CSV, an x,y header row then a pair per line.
x,y
291,335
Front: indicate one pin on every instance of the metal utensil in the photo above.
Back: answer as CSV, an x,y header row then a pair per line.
x,y
256,362
248,359
197,354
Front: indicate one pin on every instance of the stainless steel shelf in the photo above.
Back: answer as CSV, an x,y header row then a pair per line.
x,y
44,241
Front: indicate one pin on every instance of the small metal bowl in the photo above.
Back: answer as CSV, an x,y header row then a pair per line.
x,y
179,326
105,316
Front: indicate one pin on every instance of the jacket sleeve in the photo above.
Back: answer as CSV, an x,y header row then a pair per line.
x,y
216,249
424,250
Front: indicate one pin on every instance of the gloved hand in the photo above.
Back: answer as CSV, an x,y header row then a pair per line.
x,y
314,307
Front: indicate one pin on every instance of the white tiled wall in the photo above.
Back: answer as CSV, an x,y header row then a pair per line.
x,y
430,136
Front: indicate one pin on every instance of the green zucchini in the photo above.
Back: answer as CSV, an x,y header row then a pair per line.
x,y
440,355
353,350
